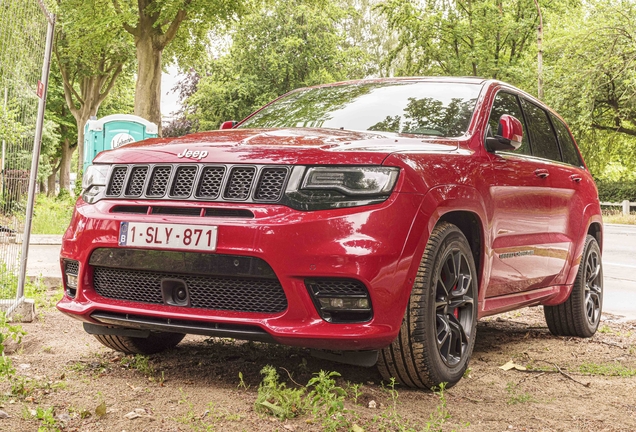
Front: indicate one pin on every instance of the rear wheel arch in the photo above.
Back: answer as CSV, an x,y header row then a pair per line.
x,y
596,231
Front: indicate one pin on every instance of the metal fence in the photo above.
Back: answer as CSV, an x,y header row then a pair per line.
x,y
26,30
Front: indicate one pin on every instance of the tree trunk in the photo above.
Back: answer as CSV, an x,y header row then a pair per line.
x,y
41,186
50,190
65,163
50,180
148,87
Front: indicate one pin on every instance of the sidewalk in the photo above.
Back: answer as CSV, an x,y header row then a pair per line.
x,y
44,259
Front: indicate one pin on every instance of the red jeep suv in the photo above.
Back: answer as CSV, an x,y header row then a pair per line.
x,y
372,221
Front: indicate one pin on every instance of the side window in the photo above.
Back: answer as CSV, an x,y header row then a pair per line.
x,y
568,148
544,142
507,103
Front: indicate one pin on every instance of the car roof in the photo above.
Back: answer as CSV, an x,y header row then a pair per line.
x,y
439,79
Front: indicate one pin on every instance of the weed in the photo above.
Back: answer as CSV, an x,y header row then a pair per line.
x,y
327,401
437,419
605,329
140,363
607,370
241,381
516,395
48,423
8,331
355,389
276,399
199,423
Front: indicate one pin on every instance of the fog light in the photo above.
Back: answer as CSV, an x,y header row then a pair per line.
x,y
340,300
71,281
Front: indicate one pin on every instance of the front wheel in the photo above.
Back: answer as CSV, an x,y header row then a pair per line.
x,y
437,335
580,315
154,343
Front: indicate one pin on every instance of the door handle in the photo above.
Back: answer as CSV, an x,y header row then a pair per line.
x,y
541,173
576,178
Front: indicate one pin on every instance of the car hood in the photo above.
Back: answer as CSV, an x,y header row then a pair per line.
x,y
302,146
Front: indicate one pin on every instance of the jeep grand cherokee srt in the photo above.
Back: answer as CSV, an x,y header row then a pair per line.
x,y
371,221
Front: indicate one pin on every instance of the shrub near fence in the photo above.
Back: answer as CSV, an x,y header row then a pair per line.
x,y
616,192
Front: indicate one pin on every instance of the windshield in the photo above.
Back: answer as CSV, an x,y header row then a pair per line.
x,y
424,108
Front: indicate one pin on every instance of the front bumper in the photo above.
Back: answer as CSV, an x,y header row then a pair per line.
x,y
375,245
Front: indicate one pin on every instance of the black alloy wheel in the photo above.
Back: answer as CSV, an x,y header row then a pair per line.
x,y
454,307
580,314
593,287
438,331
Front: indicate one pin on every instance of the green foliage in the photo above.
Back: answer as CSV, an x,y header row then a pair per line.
x,y
613,369
484,38
8,331
517,396
140,363
275,48
52,215
616,191
591,56
276,399
327,401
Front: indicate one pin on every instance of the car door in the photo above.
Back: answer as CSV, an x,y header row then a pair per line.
x,y
568,182
520,194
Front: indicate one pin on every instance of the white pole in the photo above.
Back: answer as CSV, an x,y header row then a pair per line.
x,y
625,208
34,163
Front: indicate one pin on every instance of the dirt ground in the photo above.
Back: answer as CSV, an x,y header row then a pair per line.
x,y
64,376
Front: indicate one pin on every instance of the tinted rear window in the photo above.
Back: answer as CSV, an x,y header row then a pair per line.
x,y
543,138
568,148
423,108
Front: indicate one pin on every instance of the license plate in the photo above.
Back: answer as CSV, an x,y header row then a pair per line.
x,y
168,236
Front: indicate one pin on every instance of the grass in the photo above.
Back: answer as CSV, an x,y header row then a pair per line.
x,y
619,218
326,404
517,396
52,215
612,369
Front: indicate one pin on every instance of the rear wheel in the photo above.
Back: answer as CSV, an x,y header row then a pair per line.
x,y
438,331
580,315
154,343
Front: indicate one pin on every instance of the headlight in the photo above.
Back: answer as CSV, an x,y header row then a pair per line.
x,y
319,188
94,183
352,180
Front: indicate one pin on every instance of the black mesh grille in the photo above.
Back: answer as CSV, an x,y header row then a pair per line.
x,y
211,180
159,181
206,292
336,287
183,181
199,182
71,267
117,181
271,184
136,182
238,186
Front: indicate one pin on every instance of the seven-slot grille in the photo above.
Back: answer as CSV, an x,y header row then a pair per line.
x,y
198,182
240,294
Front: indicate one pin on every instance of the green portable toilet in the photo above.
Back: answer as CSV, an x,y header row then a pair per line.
x,y
114,131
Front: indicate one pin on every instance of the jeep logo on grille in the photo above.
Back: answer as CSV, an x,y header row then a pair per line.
x,y
198,155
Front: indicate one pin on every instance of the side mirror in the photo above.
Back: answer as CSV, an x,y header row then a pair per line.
x,y
228,124
509,135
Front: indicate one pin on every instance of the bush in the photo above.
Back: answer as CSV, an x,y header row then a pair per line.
x,y
611,191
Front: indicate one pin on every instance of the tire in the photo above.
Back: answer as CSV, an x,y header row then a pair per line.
x,y
416,358
156,342
580,314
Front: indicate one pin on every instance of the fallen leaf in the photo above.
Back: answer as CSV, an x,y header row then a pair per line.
x,y
356,428
132,415
100,411
512,365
